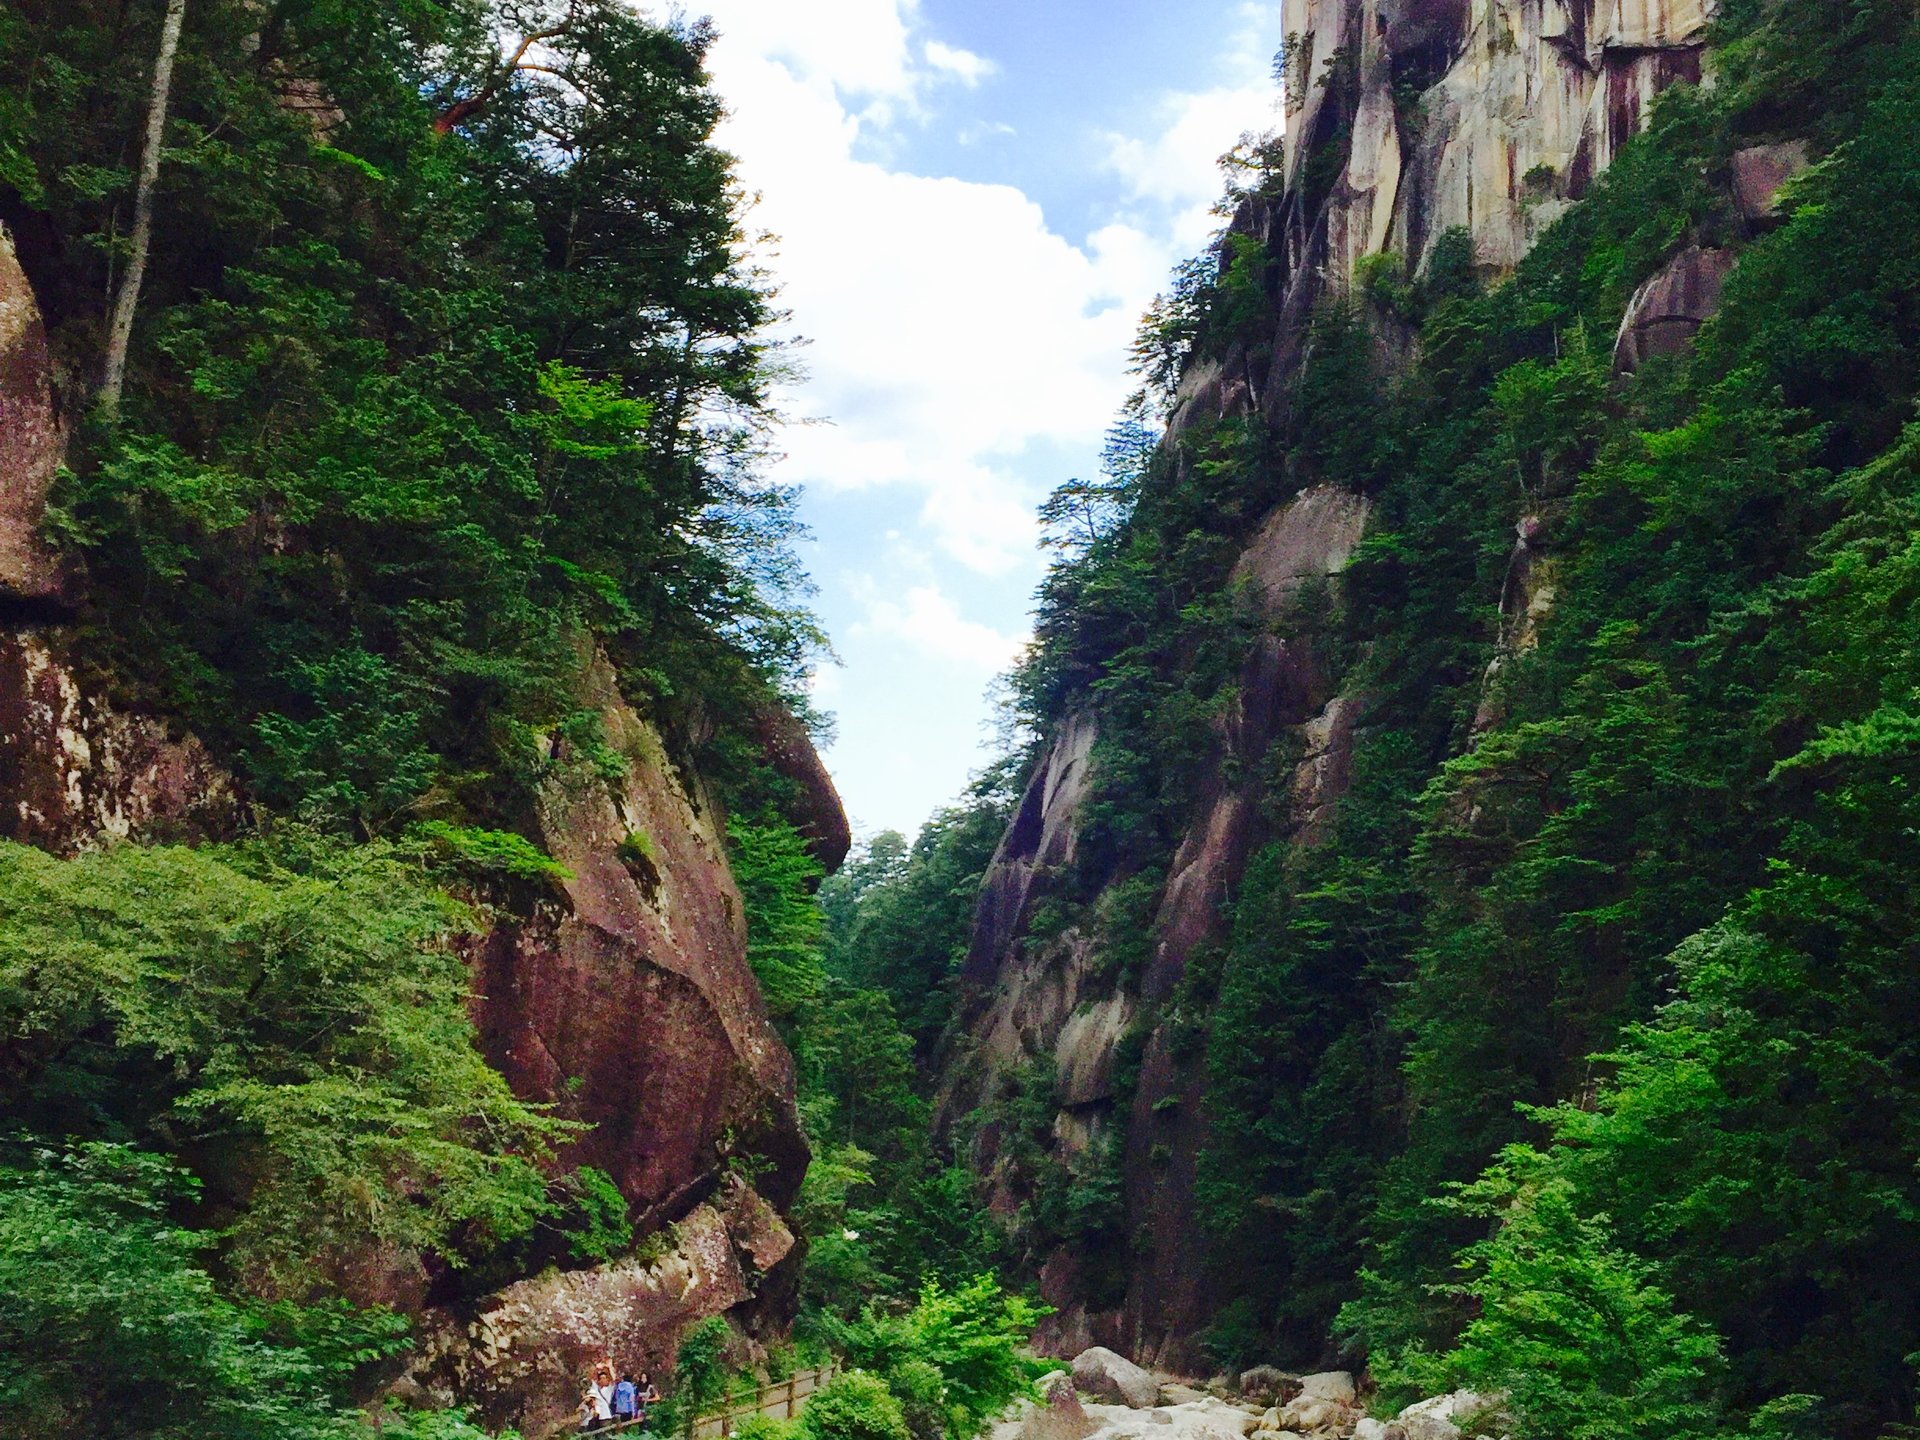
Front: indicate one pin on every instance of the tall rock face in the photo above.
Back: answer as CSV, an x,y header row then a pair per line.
x,y
1405,120
1487,115
30,436
623,997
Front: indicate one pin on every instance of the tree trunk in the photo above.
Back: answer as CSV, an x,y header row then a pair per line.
x,y
120,335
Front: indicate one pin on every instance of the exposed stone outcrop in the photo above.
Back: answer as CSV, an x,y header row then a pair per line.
x,y
1114,1378
1521,104
518,1356
1761,172
1434,1419
790,751
1042,838
629,1004
76,773
31,444
1668,311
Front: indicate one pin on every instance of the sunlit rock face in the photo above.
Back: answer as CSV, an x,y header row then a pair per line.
x,y
1404,119
1487,115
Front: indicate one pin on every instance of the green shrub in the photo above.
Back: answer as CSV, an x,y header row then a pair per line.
x,y
106,1309
599,1228
700,1373
855,1406
766,1427
300,1001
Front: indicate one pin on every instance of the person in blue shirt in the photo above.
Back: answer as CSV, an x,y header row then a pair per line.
x,y
626,1401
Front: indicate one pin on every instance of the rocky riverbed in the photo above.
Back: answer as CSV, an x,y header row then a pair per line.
x,y
1107,1397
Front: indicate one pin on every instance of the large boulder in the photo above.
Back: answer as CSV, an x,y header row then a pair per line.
x,y
1267,1384
1114,1378
1334,1385
1311,1412
1434,1419
1668,311
626,1001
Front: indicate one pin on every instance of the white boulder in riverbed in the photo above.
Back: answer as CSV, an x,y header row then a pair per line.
x,y
1434,1419
1112,1377
1334,1385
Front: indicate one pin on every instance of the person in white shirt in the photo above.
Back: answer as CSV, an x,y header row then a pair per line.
x,y
596,1406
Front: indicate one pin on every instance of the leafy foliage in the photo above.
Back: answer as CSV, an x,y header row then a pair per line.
x,y
299,1002
103,1297
445,377
855,1406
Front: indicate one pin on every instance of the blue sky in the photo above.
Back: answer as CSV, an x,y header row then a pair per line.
x,y
973,202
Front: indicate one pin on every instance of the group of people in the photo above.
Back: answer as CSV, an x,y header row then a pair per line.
x,y
607,1401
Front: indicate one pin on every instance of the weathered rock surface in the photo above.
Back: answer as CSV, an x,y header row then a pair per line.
x,y
1334,1385
789,749
1669,309
518,1356
1042,838
1434,1419
1760,172
1267,1385
630,1005
1522,103
76,773
1100,1372
31,445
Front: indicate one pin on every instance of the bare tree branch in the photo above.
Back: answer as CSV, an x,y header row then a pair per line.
x,y
463,110
120,332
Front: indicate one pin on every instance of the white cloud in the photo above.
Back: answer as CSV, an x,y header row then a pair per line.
x,y
859,47
981,130
965,66
932,625
959,344
950,326
1174,164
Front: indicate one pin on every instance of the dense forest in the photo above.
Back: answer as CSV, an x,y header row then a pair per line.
x,y
416,398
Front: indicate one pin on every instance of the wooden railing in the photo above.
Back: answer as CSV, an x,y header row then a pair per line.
x,y
782,1400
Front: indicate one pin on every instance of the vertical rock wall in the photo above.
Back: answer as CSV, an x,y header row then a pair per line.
x,y
1404,119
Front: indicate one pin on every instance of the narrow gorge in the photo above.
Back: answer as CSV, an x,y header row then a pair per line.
x,y
1434,957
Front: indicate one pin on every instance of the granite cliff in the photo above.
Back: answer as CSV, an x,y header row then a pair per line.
x,y
1418,134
